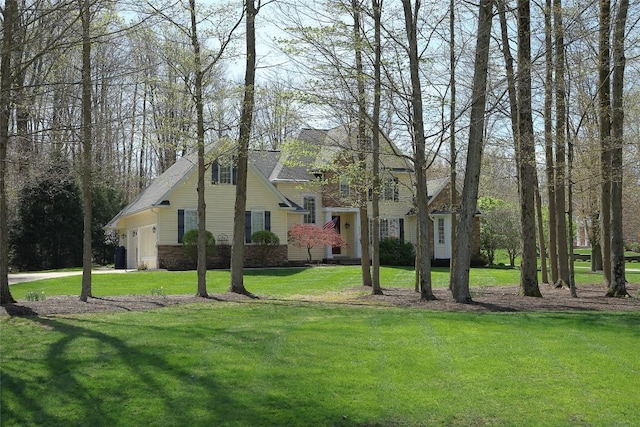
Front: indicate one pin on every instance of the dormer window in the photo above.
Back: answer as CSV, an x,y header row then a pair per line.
x,y
223,173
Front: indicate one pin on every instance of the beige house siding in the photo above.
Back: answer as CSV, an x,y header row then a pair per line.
x,y
220,201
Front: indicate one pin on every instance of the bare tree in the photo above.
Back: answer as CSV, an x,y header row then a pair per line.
x,y
197,98
469,196
548,143
423,262
604,97
560,164
453,178
246,119
361,148
8,22
526,153
376,6
617,286
87,128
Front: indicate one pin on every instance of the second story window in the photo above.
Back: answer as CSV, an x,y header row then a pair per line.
x,y
223,172
309,204
390,189
344,188
226,174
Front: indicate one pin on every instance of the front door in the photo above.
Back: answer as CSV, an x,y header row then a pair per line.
x,y
336,250
442,237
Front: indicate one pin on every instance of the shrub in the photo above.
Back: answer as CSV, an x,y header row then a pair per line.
x,y
479,260
265,237
190,243
396,252
266,243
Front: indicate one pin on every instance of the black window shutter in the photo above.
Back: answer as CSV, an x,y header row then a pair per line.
x,y
267,220
180,225
247,226
401,226
234,175
214,172
370,194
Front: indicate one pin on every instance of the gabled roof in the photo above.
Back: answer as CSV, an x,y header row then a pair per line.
x,y
159,188
273,165
157,193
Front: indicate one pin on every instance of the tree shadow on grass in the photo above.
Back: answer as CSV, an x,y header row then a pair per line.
x,y
152,386
71,381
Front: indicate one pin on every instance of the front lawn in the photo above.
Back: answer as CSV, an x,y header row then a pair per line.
x,y
278,282
275,363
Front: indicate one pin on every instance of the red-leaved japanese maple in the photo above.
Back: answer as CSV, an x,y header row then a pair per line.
x,y
309,236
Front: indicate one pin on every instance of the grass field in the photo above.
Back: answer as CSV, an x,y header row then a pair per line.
x,y
287,363
282,282
294,364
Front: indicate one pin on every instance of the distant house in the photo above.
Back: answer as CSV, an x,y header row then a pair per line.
x,y
283,189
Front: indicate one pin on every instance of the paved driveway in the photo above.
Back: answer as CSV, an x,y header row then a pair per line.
x,y
31,277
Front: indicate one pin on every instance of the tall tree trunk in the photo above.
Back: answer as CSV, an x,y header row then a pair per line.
x,y
617,286
85,15
453,178
365,259
376,6
604,93
424,262
529,267
8,21
560,169
572,265
202,207
541,238
469,197
548,144
246,118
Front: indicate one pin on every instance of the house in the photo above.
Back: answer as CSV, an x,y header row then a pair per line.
x,y
305,183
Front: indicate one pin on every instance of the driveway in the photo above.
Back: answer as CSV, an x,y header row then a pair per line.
x,y
31,277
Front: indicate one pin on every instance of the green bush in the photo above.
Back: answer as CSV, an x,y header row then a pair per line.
x,y
396,252
190,243
266,243
265,237
479,260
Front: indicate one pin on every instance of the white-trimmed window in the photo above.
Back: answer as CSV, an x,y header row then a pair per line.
x,y
390,189
226,174
389,228
256,220
187,220
223,172
309,205
344,188
441,236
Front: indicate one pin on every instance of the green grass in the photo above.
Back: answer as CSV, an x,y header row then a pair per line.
x,y
280,282
300,364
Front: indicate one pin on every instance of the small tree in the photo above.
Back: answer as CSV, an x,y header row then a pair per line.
x,y
490,236
309,236
190,243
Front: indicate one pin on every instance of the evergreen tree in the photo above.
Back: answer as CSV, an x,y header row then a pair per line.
x,y
48,232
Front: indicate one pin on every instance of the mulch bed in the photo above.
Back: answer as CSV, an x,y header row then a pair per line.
x,y
485,299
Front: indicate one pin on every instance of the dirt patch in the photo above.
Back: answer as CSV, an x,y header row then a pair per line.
x,y
506,299
485,299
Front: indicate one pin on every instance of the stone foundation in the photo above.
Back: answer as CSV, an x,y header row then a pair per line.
x,y
172,257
